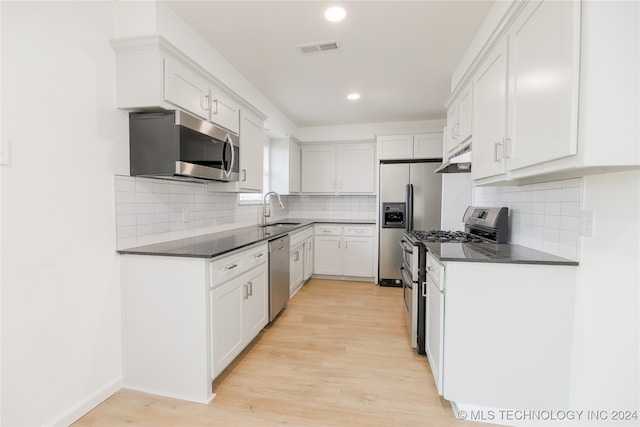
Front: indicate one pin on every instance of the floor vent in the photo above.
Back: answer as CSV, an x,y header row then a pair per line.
x,y
318,47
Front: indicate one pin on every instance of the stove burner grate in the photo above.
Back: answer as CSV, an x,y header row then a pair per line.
x,y
441,236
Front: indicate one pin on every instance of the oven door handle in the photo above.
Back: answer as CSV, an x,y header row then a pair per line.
x,y
406,248
406,278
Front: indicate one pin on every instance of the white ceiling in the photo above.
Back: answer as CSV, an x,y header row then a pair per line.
x,y
398,54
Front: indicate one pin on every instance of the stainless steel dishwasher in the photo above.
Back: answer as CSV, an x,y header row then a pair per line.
x,y
278,275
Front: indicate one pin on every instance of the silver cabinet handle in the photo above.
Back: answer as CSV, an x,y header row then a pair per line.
x,y
424,289
245,291
215,106
250,284
495,151
206,103
231,267
260,255
244,174
297,256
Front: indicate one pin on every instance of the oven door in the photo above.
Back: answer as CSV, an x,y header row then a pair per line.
x,y
409,303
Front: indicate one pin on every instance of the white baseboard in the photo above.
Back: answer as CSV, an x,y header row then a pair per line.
x,y
75,412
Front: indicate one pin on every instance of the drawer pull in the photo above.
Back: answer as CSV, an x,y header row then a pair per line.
x,y
231,267
250,284
259,255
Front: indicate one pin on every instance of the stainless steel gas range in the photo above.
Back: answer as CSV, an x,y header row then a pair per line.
x,y
481,225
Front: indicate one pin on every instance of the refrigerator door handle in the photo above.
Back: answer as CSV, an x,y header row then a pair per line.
x,y
409,213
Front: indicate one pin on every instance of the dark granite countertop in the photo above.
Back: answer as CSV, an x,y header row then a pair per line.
x,y
216,244
494,253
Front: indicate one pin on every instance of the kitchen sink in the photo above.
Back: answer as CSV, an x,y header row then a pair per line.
x,y
279,224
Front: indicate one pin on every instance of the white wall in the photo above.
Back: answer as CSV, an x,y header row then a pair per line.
x,y
456,197
61,329
543,216
362,131
605,373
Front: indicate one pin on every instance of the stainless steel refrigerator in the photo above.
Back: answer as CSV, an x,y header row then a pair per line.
x,y
410,199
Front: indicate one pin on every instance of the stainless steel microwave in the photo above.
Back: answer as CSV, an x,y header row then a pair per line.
x,y
177,145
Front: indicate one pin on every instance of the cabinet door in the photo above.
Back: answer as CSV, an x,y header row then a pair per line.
x,y
296,268
544,65
356,169
318,169
465,113
327,255
358,256
308,258
294,167
251,153
224,112
490,115
395,147
186,89
226,323
427,146
452,127
256,304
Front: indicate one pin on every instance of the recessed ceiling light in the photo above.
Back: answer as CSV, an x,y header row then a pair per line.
x,y
353,96
335,14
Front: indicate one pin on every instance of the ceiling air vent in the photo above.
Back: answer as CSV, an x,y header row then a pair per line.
x,y
318,47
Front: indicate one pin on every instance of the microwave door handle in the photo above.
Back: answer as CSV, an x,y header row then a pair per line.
x,y
227,172
233,157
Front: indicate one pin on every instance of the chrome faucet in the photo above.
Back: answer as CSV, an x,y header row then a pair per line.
x,y
267,213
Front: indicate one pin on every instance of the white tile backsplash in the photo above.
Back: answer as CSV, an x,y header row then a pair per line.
x,y
154,210
333,207
543,216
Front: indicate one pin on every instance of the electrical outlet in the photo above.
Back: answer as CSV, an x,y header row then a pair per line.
x,y
186,215
586,223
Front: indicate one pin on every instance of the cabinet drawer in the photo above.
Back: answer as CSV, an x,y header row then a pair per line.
x,y
227,268
256,256
300,236
327,230
355,230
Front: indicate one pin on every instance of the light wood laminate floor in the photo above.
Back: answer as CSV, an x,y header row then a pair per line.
x,y
337,356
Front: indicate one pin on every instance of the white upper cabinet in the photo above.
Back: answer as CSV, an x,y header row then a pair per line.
x,y
490,118
356,168
251,152
459,120
224,110
567,75
318,169
426,145
192,92
186,89
338,168
151,73
284,166
392,147
543,68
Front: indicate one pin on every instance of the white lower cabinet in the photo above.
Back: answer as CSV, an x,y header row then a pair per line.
x,y
358,256
185,319
238,313
308,258
299,259
327,255
343,250
296,267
